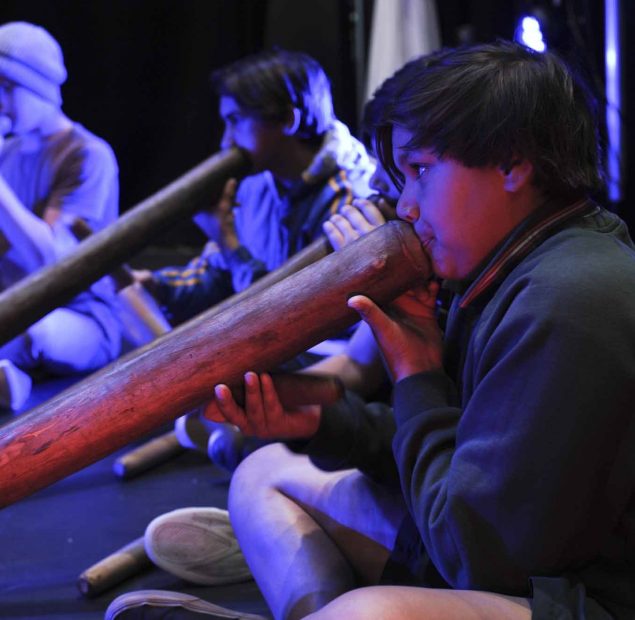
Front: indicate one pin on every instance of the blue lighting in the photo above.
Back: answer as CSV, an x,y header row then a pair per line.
x,y
613,98
529,33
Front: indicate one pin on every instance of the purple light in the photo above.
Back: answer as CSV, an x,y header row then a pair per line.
x,y
613,98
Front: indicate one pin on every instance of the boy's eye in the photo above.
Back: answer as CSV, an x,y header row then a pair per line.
x,y
419,170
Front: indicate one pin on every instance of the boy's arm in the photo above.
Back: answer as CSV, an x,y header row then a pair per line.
x,y
184,292
344,434
85,186
30,237
516,481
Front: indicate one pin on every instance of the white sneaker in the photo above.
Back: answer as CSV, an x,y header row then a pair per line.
x,y
15,386
198,545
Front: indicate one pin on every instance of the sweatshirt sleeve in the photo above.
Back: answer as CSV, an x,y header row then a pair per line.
x,y
354,434
521,478
184,292
244,268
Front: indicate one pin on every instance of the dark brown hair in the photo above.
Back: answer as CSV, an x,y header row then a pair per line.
x,y
492,104
269,84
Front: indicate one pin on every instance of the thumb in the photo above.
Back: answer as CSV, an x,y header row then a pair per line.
x,y
370,313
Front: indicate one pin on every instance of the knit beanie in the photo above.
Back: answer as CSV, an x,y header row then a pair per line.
x,y
32,58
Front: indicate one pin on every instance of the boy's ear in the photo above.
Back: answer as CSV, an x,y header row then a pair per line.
x,y
293,122
517,174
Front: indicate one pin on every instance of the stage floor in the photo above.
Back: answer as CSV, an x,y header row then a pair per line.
x,y
49,538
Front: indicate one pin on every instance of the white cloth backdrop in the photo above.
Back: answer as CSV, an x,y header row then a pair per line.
x,y
400,31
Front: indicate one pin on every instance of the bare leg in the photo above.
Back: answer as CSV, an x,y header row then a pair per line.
x,y
63,342
309,535
408,603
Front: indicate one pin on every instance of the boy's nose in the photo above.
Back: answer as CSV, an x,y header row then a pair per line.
x,y
407,208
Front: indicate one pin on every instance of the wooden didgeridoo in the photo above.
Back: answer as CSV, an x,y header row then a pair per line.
x,y
160,449
175,373
30,299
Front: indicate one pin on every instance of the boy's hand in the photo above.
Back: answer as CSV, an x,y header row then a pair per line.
x,y
353,221
145,278
263,414
408,335
224,211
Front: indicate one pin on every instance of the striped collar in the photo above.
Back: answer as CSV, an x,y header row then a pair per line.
x,y
525,238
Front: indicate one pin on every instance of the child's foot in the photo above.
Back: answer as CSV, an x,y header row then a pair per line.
x,y
15,386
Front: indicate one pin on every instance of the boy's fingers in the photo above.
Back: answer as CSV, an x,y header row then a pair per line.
x,y
333,234
228,407
358,219
372,214
273,412
253,402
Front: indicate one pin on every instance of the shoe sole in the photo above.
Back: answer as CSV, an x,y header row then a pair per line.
x,y
197,545
164,598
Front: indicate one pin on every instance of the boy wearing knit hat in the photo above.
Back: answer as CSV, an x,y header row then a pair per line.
x,y
53,172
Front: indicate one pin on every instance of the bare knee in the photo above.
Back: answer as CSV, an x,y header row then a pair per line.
x,y
256,477
355,605
260,468
404,603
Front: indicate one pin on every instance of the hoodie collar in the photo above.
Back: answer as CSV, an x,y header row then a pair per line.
x,y
527,236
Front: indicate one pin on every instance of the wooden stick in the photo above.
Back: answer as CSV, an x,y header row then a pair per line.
x,y
153,452
123,563
36,295
140,314
155,384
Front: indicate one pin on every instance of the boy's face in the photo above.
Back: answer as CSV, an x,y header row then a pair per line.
x,y
25,109
460,214
260,138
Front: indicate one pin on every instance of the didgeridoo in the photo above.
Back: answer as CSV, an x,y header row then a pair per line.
x,y
30,299
175,373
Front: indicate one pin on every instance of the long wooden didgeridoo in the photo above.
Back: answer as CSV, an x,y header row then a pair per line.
x,y
176,372
30,299
160,449
145,321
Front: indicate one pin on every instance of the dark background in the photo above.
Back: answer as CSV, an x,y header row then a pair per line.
x,y
138,69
